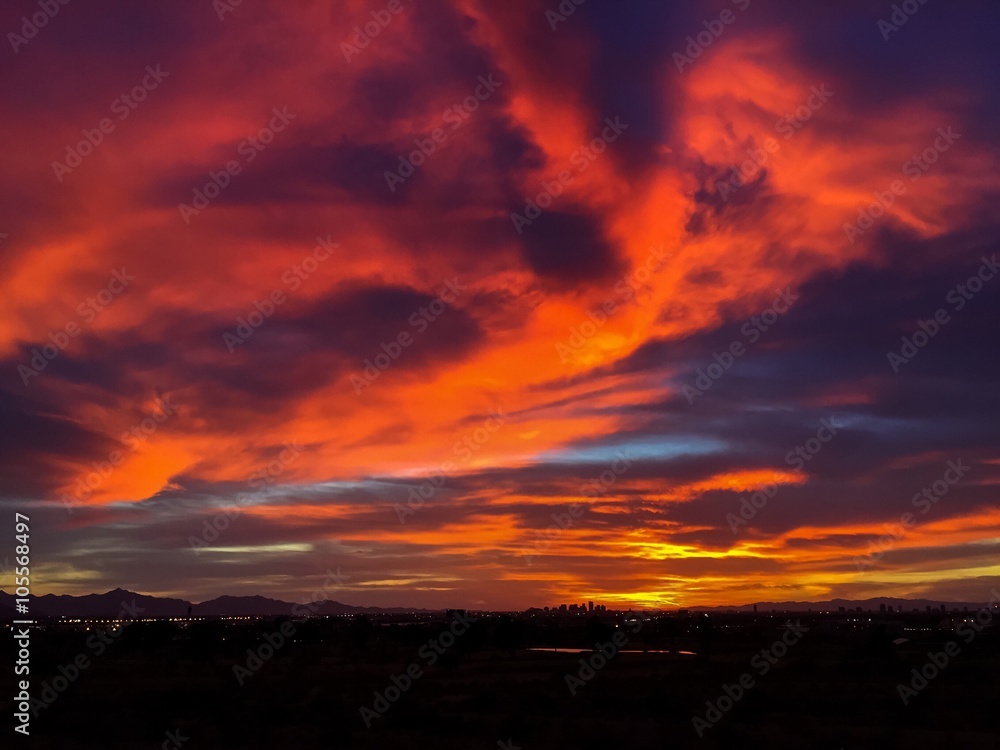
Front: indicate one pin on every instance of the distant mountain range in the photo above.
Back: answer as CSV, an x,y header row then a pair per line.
x,y
834,605
119,602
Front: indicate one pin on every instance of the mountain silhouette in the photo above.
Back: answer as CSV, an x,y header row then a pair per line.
x,y
122,603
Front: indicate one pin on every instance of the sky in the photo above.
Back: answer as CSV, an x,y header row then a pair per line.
x,y
655,304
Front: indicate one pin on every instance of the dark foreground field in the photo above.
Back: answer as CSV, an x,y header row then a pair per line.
x,y
835,686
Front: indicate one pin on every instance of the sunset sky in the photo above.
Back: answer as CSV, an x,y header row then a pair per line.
x,y
569,317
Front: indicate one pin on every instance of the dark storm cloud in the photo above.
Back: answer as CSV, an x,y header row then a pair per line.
x,y
567,247
36,442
